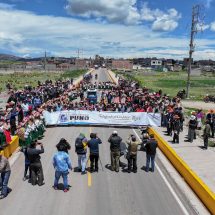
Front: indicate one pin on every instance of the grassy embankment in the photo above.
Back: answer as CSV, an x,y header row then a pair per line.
x,y
172,82
19,80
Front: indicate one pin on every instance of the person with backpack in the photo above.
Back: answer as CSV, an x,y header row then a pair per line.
x,y
93,144
132,153
81,150
115,149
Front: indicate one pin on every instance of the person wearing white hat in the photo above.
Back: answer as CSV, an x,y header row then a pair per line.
x,y
115,141
192,128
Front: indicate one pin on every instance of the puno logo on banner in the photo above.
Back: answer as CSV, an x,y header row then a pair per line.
x,y
81,117
69,117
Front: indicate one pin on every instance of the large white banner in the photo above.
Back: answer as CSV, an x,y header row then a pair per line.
x,y
81,117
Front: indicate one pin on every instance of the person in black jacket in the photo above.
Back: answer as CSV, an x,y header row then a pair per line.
x,y
151,146
192,128
176,128
81,150
36,170
20,114
115,141
93,144
211,119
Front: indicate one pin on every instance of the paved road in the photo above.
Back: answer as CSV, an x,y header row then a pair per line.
x,y
101,193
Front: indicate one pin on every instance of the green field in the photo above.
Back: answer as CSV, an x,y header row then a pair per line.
x,y
172,82
19,80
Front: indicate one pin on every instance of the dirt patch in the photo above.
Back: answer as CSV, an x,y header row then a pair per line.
x,y
198,105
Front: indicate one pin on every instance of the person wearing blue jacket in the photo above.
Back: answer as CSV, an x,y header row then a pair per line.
x,y
93,144
62,163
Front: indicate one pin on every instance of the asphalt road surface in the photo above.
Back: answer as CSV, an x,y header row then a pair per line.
x,y
102,193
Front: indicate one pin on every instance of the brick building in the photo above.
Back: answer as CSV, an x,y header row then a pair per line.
x,y
122,64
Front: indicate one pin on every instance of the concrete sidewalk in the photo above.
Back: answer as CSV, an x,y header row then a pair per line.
x,y
199,160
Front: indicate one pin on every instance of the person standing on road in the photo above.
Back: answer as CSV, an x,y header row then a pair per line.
x,y
81,150
132,153
5,172
27,163
36,170
192,128
93,144
211,119
62,164
151,147
176,128
206,134
115,141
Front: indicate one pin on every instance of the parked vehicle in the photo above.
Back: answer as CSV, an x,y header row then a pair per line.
x,y
209,98
92,96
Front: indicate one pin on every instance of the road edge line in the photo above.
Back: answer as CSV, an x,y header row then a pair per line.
x,y
167,183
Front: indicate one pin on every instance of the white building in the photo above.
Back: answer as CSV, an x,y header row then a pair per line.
x,y
155,63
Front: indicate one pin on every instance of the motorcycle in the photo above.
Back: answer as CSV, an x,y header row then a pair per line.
x,y
209,98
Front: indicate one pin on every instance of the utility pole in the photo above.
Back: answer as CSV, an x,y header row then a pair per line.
x,y
79,51
194,30
45,61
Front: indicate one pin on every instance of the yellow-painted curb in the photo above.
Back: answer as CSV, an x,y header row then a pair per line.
x,y
197,185
11,147
110,76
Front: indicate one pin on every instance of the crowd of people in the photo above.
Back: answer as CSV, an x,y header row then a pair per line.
x,y
23,116
62,162
173,119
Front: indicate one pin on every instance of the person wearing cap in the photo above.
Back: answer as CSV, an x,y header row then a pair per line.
x,y
192,128
151,147
176,128
132,153
81,150
115,141
206,133
5,172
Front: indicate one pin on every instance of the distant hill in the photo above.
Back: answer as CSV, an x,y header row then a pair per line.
x,y
6,57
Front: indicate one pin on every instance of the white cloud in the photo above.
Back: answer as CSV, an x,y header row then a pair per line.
x,y
26,33
202,27
6,6
208,3
124,12
167,22
212,26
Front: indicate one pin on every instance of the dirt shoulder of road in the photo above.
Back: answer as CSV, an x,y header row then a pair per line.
x,y
198,105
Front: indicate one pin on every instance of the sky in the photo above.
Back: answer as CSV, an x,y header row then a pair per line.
x,y
110,28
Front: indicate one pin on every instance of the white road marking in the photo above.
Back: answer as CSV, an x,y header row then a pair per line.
x,y
168,184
